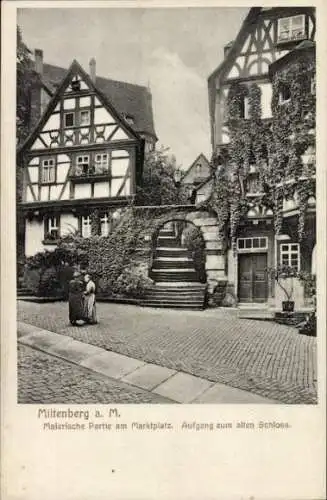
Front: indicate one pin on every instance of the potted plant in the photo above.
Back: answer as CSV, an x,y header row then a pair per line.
x,y
284,276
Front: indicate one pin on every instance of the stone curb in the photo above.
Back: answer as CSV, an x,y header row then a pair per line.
x,y
177,386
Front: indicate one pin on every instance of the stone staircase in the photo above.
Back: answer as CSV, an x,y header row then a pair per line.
x,y
23,291
176,280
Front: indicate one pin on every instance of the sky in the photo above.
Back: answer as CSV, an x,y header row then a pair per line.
x,y
173,50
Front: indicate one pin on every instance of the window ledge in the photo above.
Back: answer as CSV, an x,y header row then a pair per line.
x,y
50,242
89,177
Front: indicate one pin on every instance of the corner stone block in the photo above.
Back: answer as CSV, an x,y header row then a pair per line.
x,y
205,222
208,236
215,262
214,245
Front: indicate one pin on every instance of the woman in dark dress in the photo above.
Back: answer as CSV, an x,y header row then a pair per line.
x,y
75,298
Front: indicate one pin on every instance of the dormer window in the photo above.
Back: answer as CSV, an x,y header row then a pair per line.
x,y
198,169
69,120
291,28
284,93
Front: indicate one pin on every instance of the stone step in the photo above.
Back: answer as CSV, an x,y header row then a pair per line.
x,y
183,295
173,264
173,305
24,292
176,276
167,232
255,313
177,288
167,241
171,252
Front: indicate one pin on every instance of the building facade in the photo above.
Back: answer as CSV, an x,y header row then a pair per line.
x,y
84,157
262,115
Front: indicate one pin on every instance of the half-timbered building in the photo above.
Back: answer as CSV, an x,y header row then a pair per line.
x,y
262,60
84,157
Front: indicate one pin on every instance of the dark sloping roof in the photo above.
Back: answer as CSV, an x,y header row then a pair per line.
x,y
201,155
128,99
307,46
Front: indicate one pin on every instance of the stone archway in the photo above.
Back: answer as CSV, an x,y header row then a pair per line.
x,y
214,251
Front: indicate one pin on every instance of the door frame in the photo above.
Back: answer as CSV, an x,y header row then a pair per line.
x,y
250,253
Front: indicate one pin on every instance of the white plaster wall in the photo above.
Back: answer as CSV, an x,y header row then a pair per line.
x,y
69,103
53,122
33,173
34,234
119,135
29,196
65,194
55,192
115,185
82,191
119,166
44,193
101,189
85,101
101,115
62,171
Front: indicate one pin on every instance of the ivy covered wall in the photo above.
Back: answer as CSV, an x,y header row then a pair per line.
x,y
269,151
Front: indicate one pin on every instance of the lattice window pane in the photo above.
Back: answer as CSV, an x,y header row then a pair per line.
x,y
86,226
69,120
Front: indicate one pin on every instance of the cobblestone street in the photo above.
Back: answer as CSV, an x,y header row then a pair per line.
x,y
268,359
47,380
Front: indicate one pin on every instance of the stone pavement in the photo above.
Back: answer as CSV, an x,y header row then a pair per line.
x,y
176,386
45,379
267,359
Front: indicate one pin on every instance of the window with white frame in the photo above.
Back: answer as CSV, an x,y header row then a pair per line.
x,y
290,255
69,119
82,164
198,169
252,244
48,171
52,228
84,117
105,224
244,107
101,162
291,28
86,226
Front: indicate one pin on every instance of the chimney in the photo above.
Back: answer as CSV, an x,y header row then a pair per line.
x,y
92,65
38,56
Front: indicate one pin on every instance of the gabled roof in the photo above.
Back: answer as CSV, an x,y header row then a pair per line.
x,y
75,68
252,14
201,155
242,34
127,98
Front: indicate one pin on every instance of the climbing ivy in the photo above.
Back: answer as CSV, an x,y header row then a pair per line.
x,y
273,147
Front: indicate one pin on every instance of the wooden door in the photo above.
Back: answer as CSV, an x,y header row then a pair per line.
x,y
252,277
